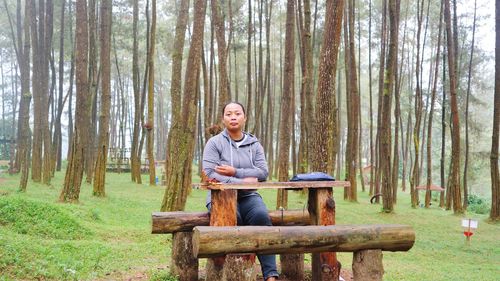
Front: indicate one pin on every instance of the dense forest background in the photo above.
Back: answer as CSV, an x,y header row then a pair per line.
x,y
333,86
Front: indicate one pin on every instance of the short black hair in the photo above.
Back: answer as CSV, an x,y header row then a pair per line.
x,y
233,102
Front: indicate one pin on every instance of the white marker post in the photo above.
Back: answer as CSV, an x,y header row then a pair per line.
x,y
469,225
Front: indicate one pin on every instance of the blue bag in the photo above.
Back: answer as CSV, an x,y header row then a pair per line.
x,y
314,176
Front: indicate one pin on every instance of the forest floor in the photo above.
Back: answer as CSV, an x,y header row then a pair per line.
x,y
110,238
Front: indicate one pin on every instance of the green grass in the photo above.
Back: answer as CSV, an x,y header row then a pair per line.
x,y
109,238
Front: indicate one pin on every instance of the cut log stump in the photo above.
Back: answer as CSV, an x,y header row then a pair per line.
x,y
184,264
367,265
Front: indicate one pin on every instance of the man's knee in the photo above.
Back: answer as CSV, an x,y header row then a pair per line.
x,y
259,216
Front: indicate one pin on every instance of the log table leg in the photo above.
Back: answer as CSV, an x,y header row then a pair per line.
x,y
184,264
367,265
232,267
322,212
292,266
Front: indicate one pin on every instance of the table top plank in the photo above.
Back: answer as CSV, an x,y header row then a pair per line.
x,y
272,185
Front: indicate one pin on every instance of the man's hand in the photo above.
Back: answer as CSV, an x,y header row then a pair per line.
x,y
225,170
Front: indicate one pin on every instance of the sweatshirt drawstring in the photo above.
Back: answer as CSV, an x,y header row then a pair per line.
x,y
231,152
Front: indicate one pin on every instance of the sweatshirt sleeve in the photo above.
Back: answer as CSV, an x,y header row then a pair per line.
x,y
211,159
259,163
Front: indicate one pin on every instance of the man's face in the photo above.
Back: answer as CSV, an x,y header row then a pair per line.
x,y
234,118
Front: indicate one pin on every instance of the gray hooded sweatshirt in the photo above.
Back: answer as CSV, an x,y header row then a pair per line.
x,y
248,158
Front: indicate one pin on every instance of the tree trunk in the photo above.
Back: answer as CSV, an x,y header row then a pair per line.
x,y
289,263
495,176
74,171
414,181
385,130
90,156
431,114
325,125
306,97
354,116
134,154
57,138
348,98
24,139
41,37
455,128
381,75
178,164
71,80
249,62
176,78
443,138
103,146
151,78
372,168
224,90
286,104
466,160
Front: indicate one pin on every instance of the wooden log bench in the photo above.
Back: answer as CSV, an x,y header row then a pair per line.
x,y
180,225
366,242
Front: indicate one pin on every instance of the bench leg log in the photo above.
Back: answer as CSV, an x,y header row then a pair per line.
x,y
322,212
214,268
239,267
367,265
234,267
292,266
184,264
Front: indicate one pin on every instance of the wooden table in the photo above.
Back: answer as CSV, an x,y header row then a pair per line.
x,y
321,206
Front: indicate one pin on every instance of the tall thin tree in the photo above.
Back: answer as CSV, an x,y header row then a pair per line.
x,y
454,180
74,171
495,176
325,125
151,78
105,61
431,114
466,158
134,154
178,172
385,144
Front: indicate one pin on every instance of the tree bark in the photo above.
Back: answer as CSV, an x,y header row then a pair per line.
x,y
103,146
385,144
209,241
326,126
495,176
151,78
24,136
57,138
455,129
367,265
249,62
74,171
184,264
134,154
287,96
443,138
466,160
414,181
431,114
352,133
178,164
224,90
90,157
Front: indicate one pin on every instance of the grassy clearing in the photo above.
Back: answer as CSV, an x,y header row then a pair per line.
x,y
109,238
